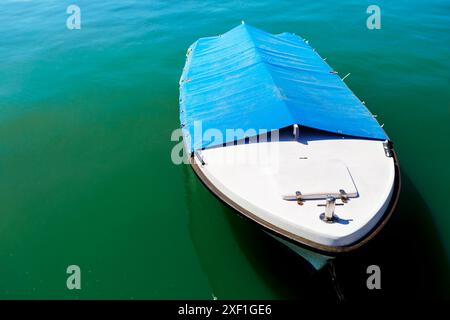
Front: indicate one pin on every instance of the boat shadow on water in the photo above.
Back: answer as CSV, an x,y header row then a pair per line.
x,y
243,262
411,256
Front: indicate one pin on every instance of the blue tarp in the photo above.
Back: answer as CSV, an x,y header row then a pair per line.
x,y
250,79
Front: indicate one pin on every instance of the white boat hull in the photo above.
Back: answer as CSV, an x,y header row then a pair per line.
x,y
257,178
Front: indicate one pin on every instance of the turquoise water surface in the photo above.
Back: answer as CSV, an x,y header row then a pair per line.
x,y
86,176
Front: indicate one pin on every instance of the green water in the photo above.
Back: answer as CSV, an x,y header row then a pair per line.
x,y
86,176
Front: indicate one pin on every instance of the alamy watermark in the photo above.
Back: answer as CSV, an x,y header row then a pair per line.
x,y
74,279
260,145
374,280
374,20
74,20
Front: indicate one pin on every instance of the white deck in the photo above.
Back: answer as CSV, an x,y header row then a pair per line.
x,y
257,175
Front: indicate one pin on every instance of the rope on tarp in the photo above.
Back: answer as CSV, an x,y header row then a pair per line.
x,y
346,76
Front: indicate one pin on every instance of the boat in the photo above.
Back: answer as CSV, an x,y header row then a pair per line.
x,y
275,133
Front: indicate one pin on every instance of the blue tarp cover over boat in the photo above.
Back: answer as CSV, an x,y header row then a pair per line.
x,y
250,79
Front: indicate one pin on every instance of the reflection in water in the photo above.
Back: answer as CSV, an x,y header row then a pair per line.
x,y
241,261
220,252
